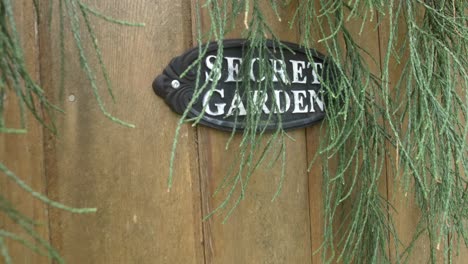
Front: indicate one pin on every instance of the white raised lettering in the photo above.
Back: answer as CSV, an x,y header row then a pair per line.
x,y
279,68
237,104
260,97
210,65
252,74
233,69
219,107
317,66
298,66
287,102
299,106
314,98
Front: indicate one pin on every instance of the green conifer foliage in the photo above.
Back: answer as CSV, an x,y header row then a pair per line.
x,y
31,98
416,125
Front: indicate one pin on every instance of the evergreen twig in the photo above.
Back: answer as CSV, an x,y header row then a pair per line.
x,y
16,82
416,125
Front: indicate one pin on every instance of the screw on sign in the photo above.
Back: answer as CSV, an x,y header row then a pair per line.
x,y
296,98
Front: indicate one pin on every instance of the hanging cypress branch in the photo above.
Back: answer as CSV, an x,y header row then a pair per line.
x,y
15,78
418,123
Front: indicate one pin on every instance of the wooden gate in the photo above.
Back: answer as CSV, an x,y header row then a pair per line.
x,y
123,172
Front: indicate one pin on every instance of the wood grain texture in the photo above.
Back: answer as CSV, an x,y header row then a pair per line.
x,y
369,40
23,154
315,182
404,212
259,231
315,194
123,172
460,251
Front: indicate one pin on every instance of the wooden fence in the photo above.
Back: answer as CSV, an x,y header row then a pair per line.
x,y
123,172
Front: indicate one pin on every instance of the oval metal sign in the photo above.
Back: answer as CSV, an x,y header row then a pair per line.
x,y
296,100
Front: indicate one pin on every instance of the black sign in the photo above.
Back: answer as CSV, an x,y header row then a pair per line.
x,y
295,101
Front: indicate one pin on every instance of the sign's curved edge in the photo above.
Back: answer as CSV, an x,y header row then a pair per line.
x,y
177,92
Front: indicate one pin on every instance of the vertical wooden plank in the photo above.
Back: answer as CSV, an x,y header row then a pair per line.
x,y
315,195
460,253
404,212
315,183
23,154
369,40
123,172
259,231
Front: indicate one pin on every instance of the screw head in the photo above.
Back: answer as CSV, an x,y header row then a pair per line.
x,y
72,98
175,84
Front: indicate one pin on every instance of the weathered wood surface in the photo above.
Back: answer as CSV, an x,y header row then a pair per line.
x,y
23,154
369,40
121,171
259,230
404,210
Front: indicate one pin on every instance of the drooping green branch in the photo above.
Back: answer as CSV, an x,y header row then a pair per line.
x,y
17,83
416,125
